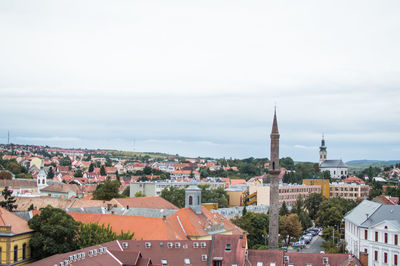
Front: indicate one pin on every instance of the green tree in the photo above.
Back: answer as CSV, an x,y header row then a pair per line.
x,y
126,192
174,195
289,226
284,210
256,224
78,173
139,194
107,191
9,201
312,203
65,161
102,171
93,234
50,174
91,168
332,211
217,195
55,232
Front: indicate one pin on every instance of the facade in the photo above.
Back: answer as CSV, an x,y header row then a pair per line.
x,y
14,239
373,230
336,168
178,174
20,187
221,250
63,191
323,183
236,195
352,191
151,189
288,193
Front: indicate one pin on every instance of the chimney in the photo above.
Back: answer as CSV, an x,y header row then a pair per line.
x,y
164,218
127,207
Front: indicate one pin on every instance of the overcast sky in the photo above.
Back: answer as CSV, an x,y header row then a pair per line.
x,y
200,78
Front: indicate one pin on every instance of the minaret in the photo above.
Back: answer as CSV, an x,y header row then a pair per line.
x,y
322,151
274,171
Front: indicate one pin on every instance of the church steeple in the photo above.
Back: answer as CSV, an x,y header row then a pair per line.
x,y
322,151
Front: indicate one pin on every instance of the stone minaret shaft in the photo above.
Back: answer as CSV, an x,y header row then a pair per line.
x,y
274,171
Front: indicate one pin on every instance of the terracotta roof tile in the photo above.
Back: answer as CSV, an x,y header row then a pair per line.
x,y
18,225
144,202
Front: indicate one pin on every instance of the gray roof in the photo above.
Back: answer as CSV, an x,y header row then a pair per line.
x,y
358,215
333,164
146,212
384,213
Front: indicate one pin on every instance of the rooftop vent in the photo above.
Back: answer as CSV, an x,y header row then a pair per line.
x,y
90,253
187,261
164,262
195,244
228,247
125,244
177,245
147,244
285,258
203,244
325,260
170,245
203,257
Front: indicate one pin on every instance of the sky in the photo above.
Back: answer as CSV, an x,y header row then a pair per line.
x,y
201,78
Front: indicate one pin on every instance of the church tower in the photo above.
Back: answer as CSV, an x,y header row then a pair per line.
x,y
41,179
322,151
193,198
274,171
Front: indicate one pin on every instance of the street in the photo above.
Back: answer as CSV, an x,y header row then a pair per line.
x,y
313,247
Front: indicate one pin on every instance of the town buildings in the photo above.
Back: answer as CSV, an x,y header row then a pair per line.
x,y
373,230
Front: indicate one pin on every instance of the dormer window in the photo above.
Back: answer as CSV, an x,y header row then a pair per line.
x,y
228,247
190,200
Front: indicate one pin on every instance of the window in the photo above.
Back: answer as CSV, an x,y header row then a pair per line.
x,y
386,238
385,257
24,251
396,239
395,259
375,255
366,234
376,236
15,253
190,200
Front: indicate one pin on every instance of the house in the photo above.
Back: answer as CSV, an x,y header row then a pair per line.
x,y
220,250
143,202
63,191
177,174
20,187
373,230
15,235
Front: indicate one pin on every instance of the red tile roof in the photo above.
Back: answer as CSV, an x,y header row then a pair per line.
x,y
144,202
18,225
354,179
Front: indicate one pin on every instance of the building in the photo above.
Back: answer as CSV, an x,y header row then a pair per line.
x,y
178,174
14,239
287,193
323,183
373,230
154,188
351,191
236,195
193,222
220,250
20,187
336,168
63,191
41,178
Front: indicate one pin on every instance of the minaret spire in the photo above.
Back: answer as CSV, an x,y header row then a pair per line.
x,y
274,171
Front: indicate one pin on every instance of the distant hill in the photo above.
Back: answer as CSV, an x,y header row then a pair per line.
x,y
362,164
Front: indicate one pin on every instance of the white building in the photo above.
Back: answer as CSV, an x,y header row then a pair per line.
x,y
336,168
374,229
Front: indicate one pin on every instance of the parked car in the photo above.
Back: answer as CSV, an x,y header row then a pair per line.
x,y
299,244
